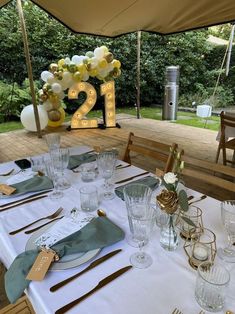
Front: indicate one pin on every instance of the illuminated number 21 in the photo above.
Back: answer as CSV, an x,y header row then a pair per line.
x,y
79,119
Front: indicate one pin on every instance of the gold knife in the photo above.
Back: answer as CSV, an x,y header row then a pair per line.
x,y
100,285
23,202
92,265
39,227
130,178
25,198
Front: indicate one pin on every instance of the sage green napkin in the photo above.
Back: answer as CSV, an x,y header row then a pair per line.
x,y
77,160
99,233
152,182
34,184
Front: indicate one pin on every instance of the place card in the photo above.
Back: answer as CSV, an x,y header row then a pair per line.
x,y
62,229
41,265
7,189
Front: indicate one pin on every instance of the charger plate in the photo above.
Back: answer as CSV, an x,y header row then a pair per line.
x,y
66,262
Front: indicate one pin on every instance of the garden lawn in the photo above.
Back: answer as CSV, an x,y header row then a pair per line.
x,y
186,118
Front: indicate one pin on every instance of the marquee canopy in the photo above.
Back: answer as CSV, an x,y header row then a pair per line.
x,y
114,18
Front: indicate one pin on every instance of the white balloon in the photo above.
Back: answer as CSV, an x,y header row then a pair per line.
x,y
56,87
28,120
99,53
45,75
77,59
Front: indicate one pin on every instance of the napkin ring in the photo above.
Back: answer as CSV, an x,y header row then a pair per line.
x,y
47,250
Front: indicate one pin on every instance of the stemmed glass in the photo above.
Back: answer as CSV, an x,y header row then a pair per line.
x,y
60,158
52,173
106,162
228,219
141,217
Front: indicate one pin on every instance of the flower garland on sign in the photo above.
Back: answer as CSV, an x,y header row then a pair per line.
x,y
99,64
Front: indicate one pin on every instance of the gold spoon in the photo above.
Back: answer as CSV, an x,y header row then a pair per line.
x,y
101,213
229,312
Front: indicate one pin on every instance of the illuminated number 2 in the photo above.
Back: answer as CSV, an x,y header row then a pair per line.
x,y
108,90
78,120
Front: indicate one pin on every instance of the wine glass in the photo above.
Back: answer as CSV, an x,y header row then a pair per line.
x,y
228,219
60,158
52,173
106,162
141,217
136,196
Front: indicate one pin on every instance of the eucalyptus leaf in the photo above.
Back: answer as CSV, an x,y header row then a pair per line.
x,y
183,200
188,221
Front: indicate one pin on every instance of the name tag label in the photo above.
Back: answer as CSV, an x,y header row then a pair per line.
x,y
7,189
41,265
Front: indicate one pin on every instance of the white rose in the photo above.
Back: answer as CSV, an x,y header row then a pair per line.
x,y
170,178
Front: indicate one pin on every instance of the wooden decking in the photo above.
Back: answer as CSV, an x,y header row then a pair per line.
x,y
200,143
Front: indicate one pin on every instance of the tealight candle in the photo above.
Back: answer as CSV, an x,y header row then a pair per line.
x,y
200,252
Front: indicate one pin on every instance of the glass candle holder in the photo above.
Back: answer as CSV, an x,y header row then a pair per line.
x,y
189,221
201,248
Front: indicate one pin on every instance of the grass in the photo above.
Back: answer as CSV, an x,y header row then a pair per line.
x,y
185,118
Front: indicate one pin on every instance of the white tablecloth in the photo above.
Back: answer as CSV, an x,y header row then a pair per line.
x,y
168,283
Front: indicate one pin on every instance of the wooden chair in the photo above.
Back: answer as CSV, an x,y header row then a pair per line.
x,y
21,306
213,179
161,154
226,120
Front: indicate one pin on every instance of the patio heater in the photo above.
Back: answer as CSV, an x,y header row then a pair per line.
x,y
171,93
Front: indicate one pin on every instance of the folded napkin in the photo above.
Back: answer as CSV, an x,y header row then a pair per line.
x,y
77,160
34,184
152,182
99,233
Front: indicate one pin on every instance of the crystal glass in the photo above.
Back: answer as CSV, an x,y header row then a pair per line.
x,y
52,173
141,221
137,197
53,141
106,162
89,198
211,286
60,158
228,219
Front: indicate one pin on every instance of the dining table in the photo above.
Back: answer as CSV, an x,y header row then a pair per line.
x,y
167,284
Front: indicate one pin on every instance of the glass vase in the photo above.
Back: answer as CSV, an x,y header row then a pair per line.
x,y
169,238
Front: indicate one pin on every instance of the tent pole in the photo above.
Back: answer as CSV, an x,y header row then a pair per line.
x,y
138,75
29,66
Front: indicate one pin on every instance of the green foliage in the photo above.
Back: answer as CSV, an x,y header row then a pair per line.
x,y
183,200
13,98
49,41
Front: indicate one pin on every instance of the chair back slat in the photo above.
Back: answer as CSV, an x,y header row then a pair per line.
x,y
156,150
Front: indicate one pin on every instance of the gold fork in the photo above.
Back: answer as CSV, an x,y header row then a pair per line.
x,y
201,312
176,311
52,216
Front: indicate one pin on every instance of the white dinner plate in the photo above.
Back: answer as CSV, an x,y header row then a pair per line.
x,y
66,262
